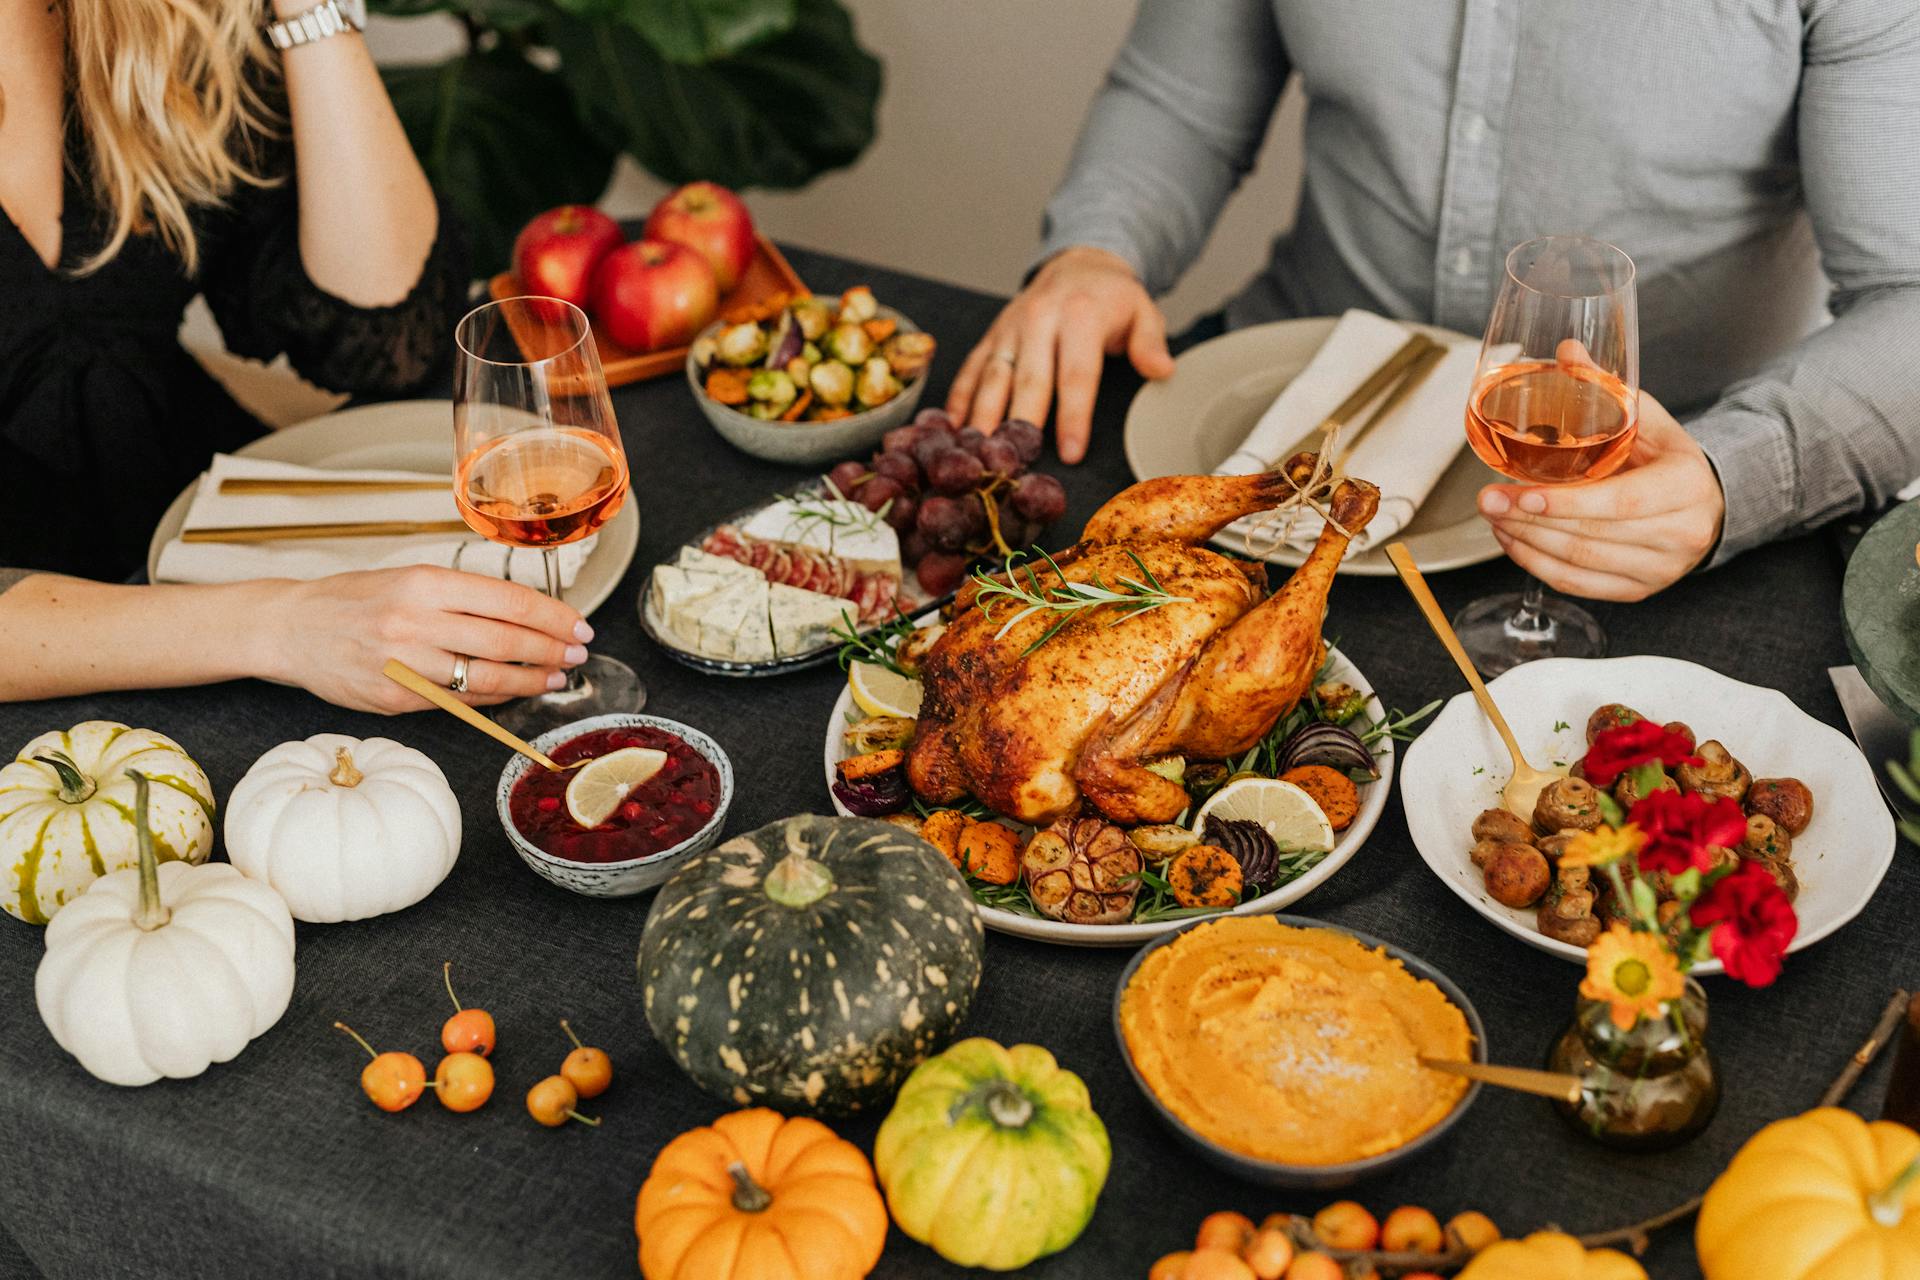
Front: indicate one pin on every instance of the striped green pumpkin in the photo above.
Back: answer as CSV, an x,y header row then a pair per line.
x,y
66,812
810,965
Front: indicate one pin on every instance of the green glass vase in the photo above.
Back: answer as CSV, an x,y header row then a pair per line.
x,y
1646,1088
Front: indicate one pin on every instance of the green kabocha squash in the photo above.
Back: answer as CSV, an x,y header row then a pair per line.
x,y
992,1156
810,965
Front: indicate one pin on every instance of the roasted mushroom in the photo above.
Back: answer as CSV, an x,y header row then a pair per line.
x,y
1766,840
1555,845
1517,875
1567,804
1682,728
1162,840
1083,871
1721,859
1783,875
1566,914
1627,795
1501,824
1611,716
1485,852
1718,776
1786,800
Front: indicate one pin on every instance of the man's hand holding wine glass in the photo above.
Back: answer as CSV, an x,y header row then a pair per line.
x,y
1624,537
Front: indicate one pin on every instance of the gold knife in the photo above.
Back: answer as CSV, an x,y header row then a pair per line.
x,y
1379,380
300,488
352,529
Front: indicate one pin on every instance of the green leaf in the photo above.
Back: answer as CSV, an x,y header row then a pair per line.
x,y
1610,809
506,15
692,32
774,115
1686,885
499,137
1646,778
1645,904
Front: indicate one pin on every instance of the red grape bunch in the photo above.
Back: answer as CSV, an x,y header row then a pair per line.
x,y
945,488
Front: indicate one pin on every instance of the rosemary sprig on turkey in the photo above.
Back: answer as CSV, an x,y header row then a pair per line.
x,y
1129,595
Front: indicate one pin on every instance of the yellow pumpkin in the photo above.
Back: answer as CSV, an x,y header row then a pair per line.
x,y
1821,1196
759,1196
1549,1255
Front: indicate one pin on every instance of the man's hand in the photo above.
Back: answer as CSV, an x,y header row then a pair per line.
x,y
1048,343
1622,538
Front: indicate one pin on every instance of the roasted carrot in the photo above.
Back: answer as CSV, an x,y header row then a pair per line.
x,y
831,412
990,852
1205,876
942,830
880,328
854,768
728,386
798,407
1331,789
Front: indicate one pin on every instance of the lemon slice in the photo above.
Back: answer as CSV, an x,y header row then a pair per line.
x,y
879,691
1289,814
599,788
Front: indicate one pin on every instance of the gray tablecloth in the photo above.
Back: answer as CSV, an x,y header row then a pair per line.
x,y
275,1165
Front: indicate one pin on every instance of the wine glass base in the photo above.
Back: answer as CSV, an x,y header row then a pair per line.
x,y
601,686
1500,632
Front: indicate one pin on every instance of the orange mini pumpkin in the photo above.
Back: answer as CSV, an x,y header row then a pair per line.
x,y
759,1196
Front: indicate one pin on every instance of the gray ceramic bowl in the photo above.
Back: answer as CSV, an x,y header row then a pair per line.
x,y
635,875
1309,1177
807,443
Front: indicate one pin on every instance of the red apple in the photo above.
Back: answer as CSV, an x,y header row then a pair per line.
x,y
711,221
651,294
555,254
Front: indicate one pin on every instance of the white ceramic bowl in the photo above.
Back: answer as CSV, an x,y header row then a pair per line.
x,y
1457,768
1373,802
807,443
635,875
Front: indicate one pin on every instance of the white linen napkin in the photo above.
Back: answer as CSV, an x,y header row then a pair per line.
x,y
308,558
1405,453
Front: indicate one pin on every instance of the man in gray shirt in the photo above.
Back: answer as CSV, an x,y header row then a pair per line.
x,y
1744,152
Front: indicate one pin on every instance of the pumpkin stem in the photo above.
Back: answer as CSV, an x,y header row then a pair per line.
x,y
1885,1205
344,774
748,1195
75,786
798,881
152,912
1007,1105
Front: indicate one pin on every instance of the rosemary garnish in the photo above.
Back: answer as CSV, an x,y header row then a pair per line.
x,y
1130,596
874,646
850,516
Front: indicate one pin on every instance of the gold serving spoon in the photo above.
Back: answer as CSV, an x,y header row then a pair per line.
x,y
1522,791
406,677
1545,1084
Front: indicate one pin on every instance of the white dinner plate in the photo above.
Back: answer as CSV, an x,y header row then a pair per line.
x,y
1190,423
1373,801
1457,768
405,435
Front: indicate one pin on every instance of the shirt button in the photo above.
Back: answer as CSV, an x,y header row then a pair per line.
x,y
1462,262
1476,129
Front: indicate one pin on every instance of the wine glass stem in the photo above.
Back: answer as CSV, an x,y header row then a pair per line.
x,y
1530,616
550,561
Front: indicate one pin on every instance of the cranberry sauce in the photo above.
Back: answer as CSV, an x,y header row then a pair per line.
x,y
664,810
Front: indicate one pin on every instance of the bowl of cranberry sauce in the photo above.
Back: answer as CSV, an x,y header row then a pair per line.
x,y
677,812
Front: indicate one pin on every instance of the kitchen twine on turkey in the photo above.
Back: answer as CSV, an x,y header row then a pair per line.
x,y
1274,526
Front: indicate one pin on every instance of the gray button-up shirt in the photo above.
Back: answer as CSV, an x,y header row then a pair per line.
x,y
1744,152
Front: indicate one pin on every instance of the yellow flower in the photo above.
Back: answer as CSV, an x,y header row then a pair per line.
x,y
1633,972
1602,845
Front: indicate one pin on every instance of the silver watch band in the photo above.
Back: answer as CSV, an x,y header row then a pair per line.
x,y
325,19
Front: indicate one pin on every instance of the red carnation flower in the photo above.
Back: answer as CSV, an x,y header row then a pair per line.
x,y
1680,829
1752,922
1629,746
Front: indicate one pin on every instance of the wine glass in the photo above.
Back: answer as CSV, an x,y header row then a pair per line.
x,y
1555,401
538,463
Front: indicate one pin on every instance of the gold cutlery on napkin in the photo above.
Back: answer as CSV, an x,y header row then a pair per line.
x,y
347,529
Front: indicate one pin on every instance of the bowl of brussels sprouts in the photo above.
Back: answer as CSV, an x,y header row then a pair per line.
x,y
810,379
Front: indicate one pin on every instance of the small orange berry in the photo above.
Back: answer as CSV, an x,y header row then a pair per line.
x,y
1346,1225
1471,1230
1170,1266
1224,1230
1315,1266
1411,1229
1216,1264
1269,1253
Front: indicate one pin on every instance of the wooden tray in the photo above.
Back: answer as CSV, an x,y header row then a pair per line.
x,y
769,273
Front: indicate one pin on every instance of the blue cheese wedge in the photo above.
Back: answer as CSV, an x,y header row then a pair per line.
x,y
733,622
682,592
804,621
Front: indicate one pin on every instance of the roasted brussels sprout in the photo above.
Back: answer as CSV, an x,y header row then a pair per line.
x,y
1162,840
1786,800
848,343
765,410
876,384
1718,776
857,305
741,344
814,316
703,352
1501,824
1205,774
832,382
1766,840
878,733
1567,804
1627,795
1517,875
772,386
914,647
812,354
1339,702
908,354
1172,768
1611,716
798,369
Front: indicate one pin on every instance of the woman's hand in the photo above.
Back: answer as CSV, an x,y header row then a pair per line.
x,y
1048,344
332,635
1623,538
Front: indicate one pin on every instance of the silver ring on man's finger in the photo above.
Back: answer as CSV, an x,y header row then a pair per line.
x,y
459,682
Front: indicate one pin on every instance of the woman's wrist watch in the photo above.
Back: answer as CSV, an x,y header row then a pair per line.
x,y
328,18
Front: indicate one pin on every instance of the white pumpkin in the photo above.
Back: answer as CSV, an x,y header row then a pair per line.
x,y
165,969
66,812
343,828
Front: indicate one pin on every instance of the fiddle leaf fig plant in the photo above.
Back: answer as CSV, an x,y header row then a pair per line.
x,y
747,93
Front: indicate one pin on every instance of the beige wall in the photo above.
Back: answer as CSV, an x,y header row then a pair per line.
x,y
979,111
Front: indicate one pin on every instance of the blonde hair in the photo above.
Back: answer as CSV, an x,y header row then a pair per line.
x,y
169,96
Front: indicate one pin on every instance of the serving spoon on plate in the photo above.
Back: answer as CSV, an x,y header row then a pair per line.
x,y
1523,789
